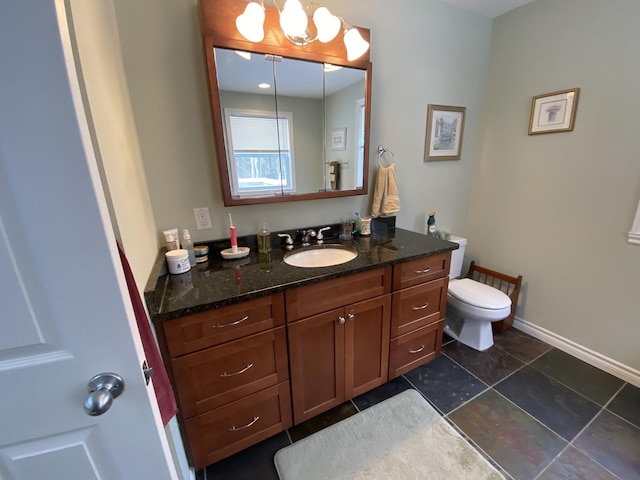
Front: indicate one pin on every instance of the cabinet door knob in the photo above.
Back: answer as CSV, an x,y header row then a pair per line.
x,y
351,316
341,320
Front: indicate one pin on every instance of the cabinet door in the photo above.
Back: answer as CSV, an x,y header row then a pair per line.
x,y
223,431
210,378
316,363
214,327
421,270
418,306
415,348
367,345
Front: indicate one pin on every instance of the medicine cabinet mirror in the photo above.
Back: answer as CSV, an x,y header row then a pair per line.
x,y
290,123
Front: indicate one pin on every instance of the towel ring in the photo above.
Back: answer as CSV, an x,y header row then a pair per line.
x,y
382,151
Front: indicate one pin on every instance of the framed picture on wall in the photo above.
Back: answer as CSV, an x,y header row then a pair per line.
x,y
553,112
445,127
339,138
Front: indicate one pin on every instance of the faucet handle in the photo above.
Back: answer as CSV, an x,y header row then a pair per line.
x,y
288,240
320,236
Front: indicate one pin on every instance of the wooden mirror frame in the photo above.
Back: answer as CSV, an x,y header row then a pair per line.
x,y
218,24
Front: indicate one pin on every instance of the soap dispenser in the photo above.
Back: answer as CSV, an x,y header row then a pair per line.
x,y
264,240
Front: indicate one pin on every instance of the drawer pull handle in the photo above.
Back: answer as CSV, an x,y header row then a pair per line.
x,y
417,350
426,270
421,307
235,429
225,374
220,325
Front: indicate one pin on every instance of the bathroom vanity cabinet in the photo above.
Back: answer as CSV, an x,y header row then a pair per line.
x,y
229,368
251,351
338,334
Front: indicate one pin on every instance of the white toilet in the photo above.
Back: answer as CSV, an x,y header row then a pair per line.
x,y
472,306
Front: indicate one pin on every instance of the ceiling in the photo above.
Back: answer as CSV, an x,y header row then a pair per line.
x,y
488,8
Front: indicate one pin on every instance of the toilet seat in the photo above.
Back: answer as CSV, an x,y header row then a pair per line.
x,y
477,300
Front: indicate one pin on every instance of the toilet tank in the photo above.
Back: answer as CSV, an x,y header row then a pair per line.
x,y
457,256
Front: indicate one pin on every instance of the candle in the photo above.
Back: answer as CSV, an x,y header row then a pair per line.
x,y
232,234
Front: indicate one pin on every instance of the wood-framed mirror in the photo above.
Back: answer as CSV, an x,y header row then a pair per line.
x,y
305,136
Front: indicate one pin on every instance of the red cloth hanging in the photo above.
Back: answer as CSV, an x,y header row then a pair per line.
x,y
161,384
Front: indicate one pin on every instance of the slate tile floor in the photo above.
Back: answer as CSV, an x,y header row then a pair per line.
x,y
534,411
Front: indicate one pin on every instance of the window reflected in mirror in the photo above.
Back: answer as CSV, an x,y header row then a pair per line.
x,y
260,154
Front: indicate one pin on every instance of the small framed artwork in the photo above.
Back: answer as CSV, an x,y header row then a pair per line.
x,y
553,112
339,138
445,127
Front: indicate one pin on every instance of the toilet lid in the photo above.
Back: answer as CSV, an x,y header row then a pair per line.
x,y
478,294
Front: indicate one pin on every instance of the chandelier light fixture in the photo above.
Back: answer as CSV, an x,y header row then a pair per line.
x,y
294,22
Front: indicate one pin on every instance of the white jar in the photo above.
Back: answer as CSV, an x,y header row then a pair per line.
x,y
178,261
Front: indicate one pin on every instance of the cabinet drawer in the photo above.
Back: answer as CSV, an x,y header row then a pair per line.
x,y
413,349
415,307
320,297
213,327
218,375
422,270
226,430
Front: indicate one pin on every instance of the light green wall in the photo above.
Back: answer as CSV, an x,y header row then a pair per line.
x,y
557,207
114,133
418,58
341,112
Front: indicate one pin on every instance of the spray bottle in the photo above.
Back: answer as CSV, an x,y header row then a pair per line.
x,y
431,224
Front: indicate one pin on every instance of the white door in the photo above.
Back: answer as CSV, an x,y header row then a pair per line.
x,y
65,313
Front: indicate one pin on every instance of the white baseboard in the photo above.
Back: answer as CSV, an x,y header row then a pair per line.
x,y
596,359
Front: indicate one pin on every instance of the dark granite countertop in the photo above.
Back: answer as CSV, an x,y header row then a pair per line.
x,y
222,282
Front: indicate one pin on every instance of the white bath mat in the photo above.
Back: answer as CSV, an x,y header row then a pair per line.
x,y
402,438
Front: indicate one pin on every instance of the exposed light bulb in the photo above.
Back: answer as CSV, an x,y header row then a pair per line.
x,y
331,68
251,23
294,23
245,55
293,20
356,45
327,24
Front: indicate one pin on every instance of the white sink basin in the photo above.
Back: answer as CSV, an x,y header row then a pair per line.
x,y
320,256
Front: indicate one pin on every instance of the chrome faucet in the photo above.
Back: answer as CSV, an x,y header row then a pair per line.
x,y
320,236
288,240
307,235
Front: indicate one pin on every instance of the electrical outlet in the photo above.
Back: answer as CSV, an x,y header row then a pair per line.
x,y
203,219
